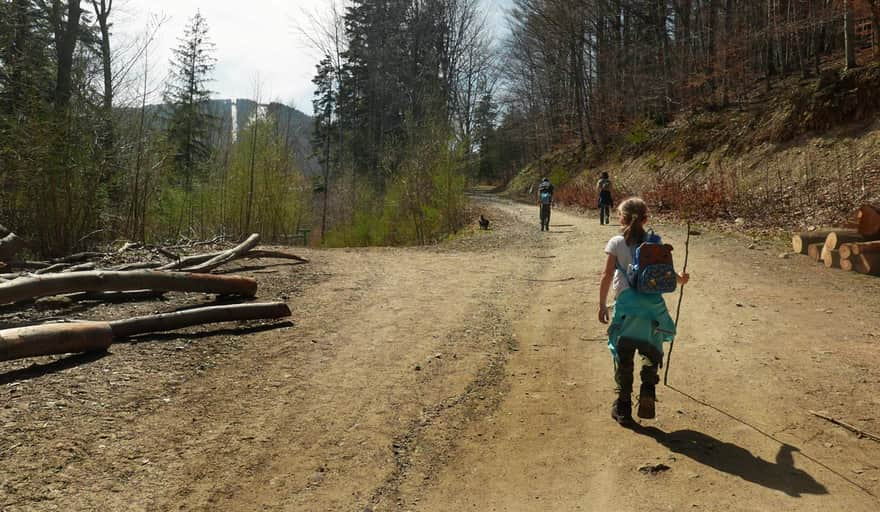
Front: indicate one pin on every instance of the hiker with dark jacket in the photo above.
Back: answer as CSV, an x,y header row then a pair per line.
x,y
640,321
606,201
545,199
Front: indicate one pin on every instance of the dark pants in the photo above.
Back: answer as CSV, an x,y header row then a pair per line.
x,y
624,368
545,217
604,213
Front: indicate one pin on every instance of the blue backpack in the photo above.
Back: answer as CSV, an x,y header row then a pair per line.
x,y
546,196
652,270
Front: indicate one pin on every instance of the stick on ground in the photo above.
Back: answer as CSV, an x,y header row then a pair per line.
x,y
860,432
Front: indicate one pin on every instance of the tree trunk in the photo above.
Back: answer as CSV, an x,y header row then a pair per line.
x,y
65,42
849,34
815,251
227,256
41,340
865,248
801,241
875,23
868,218
63,338
867,263
835,238
198,316
108,138
831,258
99,281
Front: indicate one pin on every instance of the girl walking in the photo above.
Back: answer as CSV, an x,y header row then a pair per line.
x,y
640,322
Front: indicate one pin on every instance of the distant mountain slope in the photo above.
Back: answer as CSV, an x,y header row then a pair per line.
x,y
295,126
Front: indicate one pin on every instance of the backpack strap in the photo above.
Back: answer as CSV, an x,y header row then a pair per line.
x,y
622,270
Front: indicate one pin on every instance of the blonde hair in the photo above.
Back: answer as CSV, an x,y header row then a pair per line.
x,y
634,212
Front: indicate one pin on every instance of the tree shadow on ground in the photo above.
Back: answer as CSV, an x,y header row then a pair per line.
x,y
38,370
729,458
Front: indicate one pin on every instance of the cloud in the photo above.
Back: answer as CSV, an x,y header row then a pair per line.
x,y
257,39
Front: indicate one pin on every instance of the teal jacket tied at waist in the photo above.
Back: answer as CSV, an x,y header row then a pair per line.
x,y
642,317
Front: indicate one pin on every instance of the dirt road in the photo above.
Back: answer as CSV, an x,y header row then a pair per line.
x,y
469,376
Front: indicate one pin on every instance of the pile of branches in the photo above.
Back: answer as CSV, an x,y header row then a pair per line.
x,y
87,276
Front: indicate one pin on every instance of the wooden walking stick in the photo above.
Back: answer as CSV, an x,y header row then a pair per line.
x,y
687,242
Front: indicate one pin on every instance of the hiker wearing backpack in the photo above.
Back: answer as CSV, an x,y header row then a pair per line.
x,y
545,199
606,202
639,269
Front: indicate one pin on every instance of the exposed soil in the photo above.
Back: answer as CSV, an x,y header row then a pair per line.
x,y
472,375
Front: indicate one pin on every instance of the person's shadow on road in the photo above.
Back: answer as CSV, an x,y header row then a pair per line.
x,y
734,460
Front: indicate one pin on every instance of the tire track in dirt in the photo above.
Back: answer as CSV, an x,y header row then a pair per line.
x,y
429,441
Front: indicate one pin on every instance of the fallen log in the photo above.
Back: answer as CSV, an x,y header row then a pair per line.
x,y
254,253
42,340
846,264
198,316
868,218
79,257
814,251
801,241
117,297
865,247
261,253
31,287
63,338
845,251
28,265
867,263
226,256
831,258
57,267
89,265
142,265
836,238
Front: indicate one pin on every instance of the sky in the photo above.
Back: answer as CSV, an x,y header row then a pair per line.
x,y
255,40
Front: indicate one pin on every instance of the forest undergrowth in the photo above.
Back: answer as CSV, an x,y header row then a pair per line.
x,y
801,155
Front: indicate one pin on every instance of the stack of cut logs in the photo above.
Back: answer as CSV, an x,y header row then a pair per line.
x,y
76,280
848,249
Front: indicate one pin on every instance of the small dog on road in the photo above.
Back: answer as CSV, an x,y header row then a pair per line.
x,y
484,222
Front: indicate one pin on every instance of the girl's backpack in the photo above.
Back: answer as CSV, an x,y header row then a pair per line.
x,y
652,270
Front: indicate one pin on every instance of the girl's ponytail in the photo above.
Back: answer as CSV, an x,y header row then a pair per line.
x,y
633,211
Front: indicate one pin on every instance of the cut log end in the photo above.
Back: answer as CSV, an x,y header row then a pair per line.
x,y
801,241
831,258
814,251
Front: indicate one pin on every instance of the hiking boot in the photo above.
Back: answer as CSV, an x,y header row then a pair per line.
x,y
647,399
621,412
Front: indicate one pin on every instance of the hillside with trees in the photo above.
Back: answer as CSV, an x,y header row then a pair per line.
x,y
87,157
722,109
713,106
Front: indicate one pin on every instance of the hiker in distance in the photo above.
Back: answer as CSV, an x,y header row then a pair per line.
x,y
606,202
545,199
639,268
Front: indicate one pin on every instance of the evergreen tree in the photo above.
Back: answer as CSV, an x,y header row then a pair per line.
x,y
485,117
187,94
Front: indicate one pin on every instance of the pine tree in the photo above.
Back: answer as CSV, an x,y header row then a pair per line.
x,y
186,94
325,105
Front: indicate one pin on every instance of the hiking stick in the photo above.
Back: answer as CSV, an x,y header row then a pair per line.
x,y
687,242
